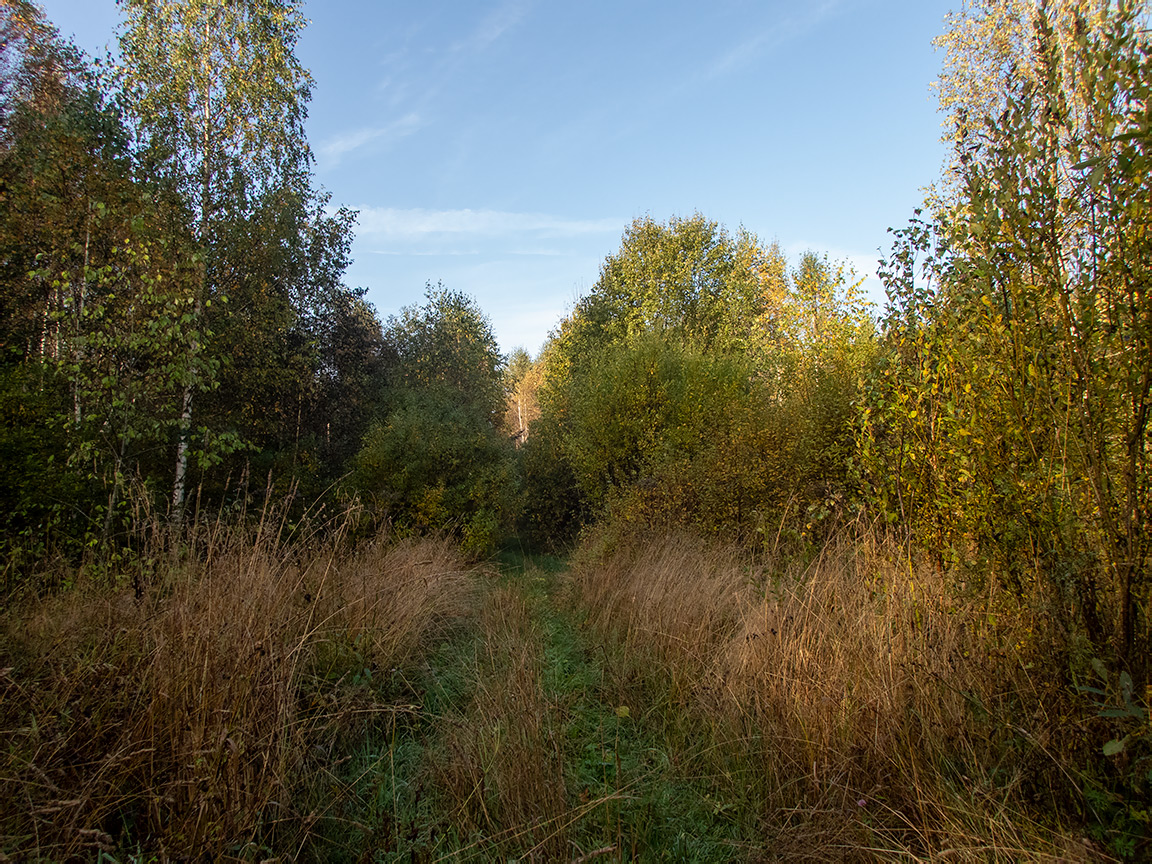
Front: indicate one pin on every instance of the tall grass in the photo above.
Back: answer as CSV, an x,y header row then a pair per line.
x,y
501,770
243,697
856,702
182,715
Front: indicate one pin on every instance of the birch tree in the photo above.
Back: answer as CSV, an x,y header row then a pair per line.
x,y
215,88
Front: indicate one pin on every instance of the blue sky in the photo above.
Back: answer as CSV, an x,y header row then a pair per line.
x,y
502,146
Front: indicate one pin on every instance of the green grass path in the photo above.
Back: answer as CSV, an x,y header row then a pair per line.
x,y
517,740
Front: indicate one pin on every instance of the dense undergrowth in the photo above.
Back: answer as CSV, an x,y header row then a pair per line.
x,y
854,704
665,698
200,714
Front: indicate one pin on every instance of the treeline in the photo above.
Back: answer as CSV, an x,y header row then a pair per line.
x,y
174,323
702,382
175,332
173,315
1005,424
997,416
175,329
995,421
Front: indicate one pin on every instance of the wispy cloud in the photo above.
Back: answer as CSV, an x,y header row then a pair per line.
x,y
419,223
418,68
335,148
494,25
749,50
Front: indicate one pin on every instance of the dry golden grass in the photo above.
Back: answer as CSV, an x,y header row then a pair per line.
x,y
876,714
670,605
852,707
174,722
502,767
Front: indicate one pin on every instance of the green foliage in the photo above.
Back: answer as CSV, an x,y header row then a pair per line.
x,y
221,100
69,194
297,348
352,360
448,342
132,308
217,87
688,279
126,359
664,421
44,501
554,508
1119,794
97,280
433,464
1007,423
664,435
438,460
703,383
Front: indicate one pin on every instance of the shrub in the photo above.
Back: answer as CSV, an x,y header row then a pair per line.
x,y
433,464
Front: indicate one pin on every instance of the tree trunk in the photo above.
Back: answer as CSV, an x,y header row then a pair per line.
x,y
182,458
206,156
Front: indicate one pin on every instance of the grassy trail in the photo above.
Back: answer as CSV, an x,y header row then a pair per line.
x,y
662,700
523,743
